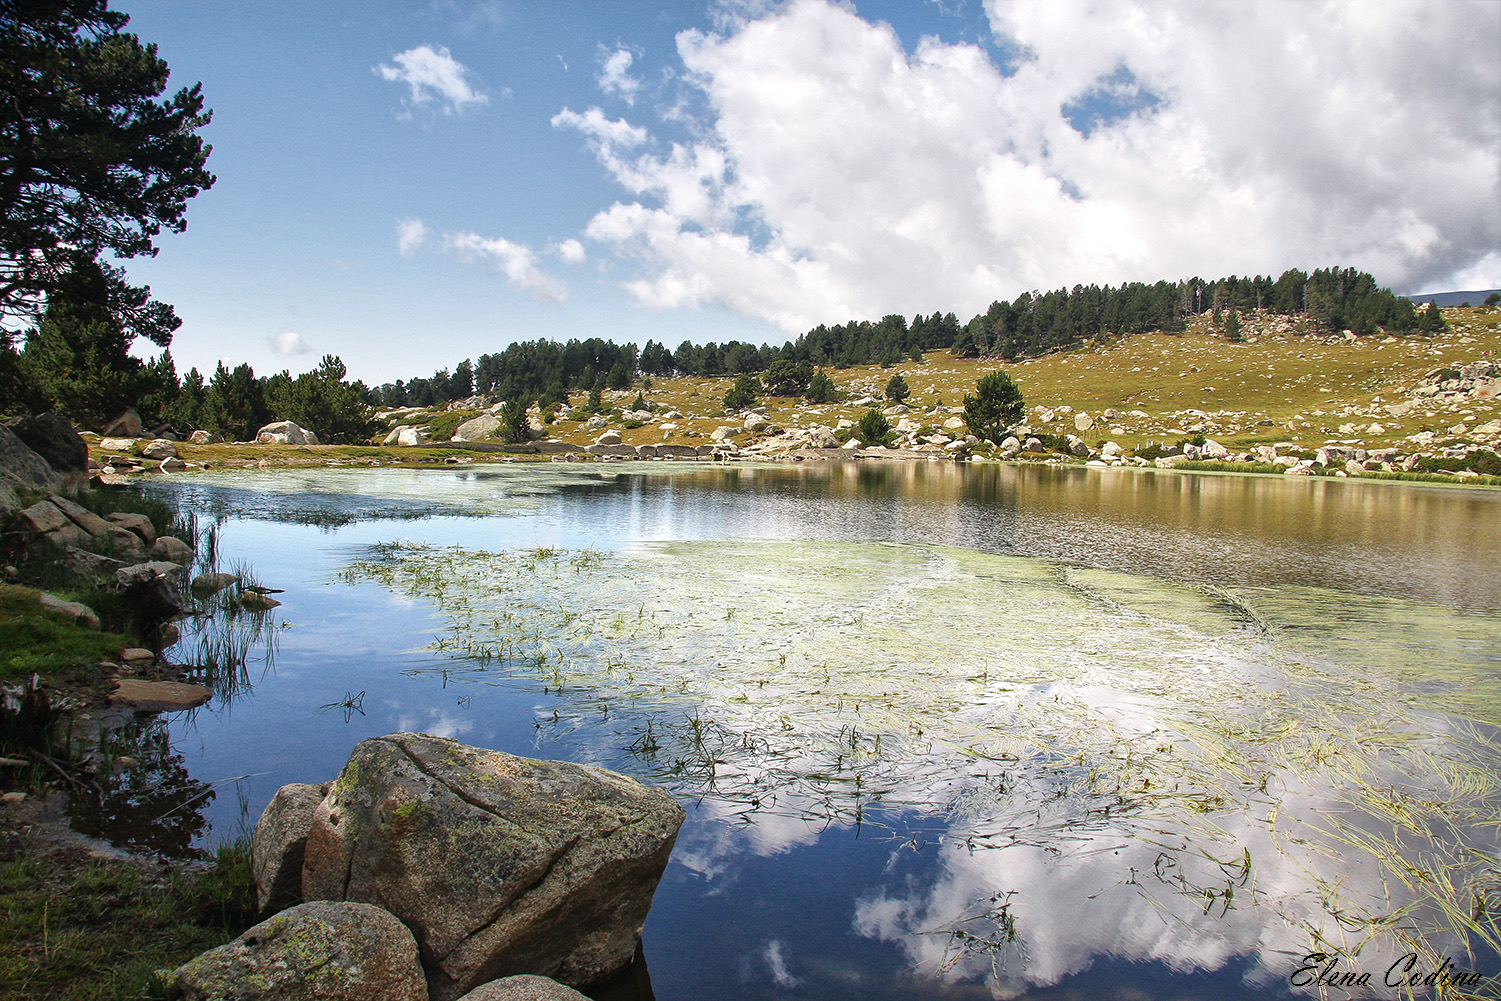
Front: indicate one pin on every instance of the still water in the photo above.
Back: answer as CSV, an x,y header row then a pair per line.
x,y
941,731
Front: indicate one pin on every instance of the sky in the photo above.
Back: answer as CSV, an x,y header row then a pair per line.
x,y
409,183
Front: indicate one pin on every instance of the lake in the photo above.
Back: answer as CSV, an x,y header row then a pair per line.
x,y
941,730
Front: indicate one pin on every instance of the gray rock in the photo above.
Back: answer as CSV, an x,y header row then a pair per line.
x,y
81,614
285,433
158,696
172,550
1033,445
678,451
499,865
127,425
1212,449
610,437
204,438
477,429
523,988
1076,445
1112,450
53,438
81,516
127,576
1083,422
82,564
21,469
256,602
623,450
159,448
276,845
212,583
320,951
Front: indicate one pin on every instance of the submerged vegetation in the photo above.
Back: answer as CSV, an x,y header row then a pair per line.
x,y
1248,753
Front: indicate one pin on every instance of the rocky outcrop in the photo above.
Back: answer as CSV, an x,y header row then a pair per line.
x,y
320,951
500,865
127,425
22,471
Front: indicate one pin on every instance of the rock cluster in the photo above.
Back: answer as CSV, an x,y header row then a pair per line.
x,y
501,870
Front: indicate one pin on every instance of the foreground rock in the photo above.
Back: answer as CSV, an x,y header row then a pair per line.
x,y
500,865
278,844
321,951
53,438
158,696
523,988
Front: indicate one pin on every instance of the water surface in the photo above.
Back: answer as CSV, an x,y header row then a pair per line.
x,y
941,730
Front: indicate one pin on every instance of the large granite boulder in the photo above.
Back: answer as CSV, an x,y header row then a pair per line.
x,y
499,865
22,471
53,438
285,433
321,951
127,425
477,429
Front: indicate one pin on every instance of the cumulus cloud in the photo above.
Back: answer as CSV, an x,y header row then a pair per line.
x,y
410,234
840,175
614,76
288,343
434,78
516,262
570,251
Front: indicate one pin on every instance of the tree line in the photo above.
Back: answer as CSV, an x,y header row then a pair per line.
x,y
1031,325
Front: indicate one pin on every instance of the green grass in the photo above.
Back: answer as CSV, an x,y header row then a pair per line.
x,y
36,641
75,928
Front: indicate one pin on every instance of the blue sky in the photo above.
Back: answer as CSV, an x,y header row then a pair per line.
x,y
407,184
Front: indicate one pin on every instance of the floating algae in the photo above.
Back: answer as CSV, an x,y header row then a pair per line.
x,y
1206,772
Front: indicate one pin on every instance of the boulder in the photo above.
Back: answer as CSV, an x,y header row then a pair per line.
x,y
621,450
83,615
204,438
320,951
117,444
21,469
84,565
1076,445
610,437
158,449
170,572
212,583
125,544
170,550
42,517
255,601
285,433
52,437
127,425
677,451
81,516
1111,450
1083,422
1033,445
1212,449
276,846
523,988
500,865
477,429
408,436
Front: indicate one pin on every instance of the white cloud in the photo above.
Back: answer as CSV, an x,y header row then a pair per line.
x,y
570,251
433,76
515,261
614,77
410,234
288,343
843,176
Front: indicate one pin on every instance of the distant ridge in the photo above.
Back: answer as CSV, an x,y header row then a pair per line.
x,y
1453,298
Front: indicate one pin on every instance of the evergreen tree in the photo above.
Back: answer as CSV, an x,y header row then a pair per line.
x,y
743,394
995,406
821,388
896,389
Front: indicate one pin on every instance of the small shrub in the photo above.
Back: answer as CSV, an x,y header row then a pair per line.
x,y
874,427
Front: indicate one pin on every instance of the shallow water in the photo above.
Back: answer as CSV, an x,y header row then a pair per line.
x,y
941,730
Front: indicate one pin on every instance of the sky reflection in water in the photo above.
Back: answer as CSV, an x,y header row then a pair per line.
x,y
1023,725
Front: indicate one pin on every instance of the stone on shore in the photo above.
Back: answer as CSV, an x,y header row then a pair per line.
x,y
320,951
158,696
82,614
285,433
276,846
170,550
477,429
500,865
52,437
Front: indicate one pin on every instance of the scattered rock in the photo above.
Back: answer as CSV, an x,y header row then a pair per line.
x,y
158,696
610,437
255,601
498,864
79,613
212,583
158,449
204,438
170,550
320,951
477,429
84,565
1083,422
